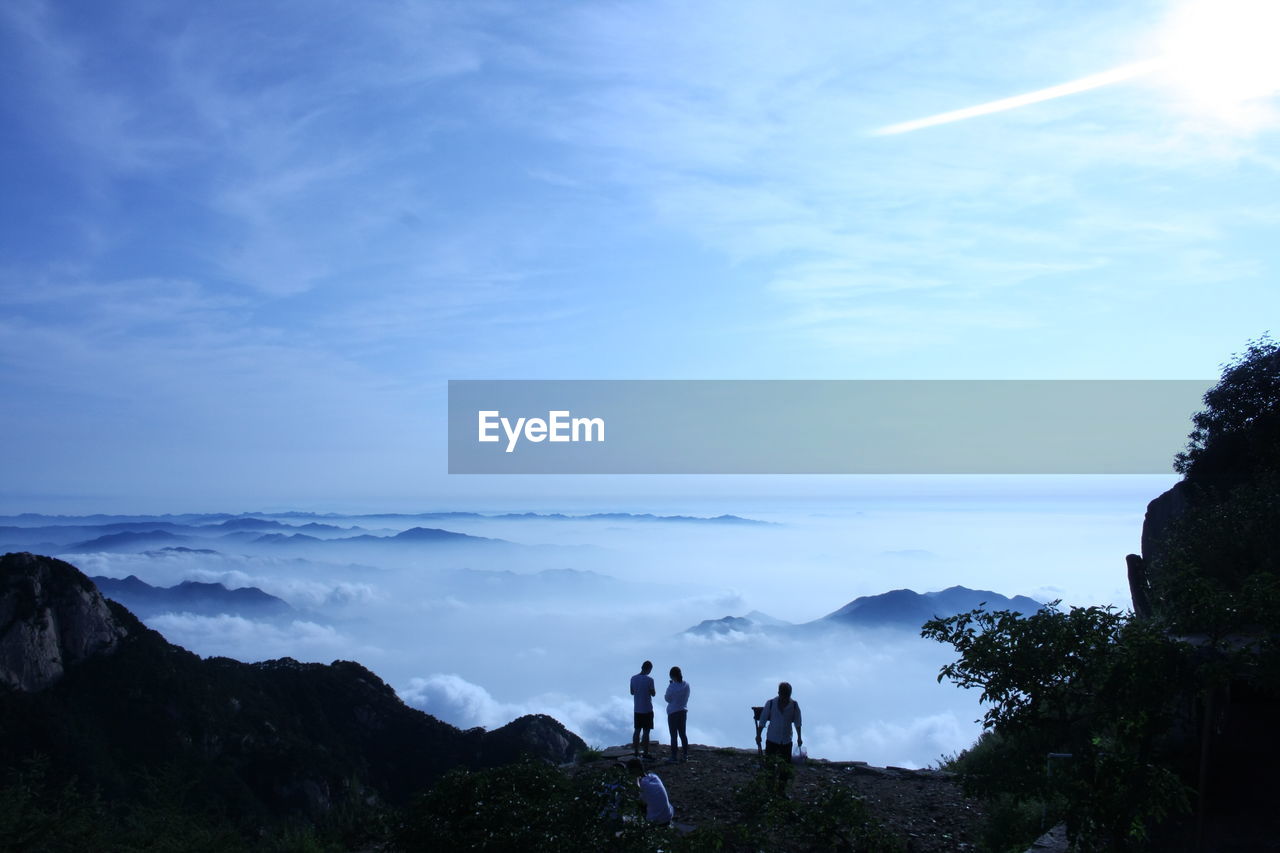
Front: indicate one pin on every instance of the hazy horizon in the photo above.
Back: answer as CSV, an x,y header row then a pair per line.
x,y
479,634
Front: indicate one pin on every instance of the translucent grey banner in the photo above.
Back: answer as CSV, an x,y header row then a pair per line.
x,y
819,426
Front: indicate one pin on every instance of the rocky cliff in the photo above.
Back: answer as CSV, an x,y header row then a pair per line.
x,y
51,617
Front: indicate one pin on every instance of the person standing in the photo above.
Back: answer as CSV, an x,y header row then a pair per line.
x,y
780,714
642,693
677,698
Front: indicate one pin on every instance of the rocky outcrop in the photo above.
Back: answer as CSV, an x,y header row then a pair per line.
x,y
1161,513
1139,586
51,617
533,734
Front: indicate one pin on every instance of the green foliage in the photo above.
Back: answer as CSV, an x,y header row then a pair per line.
x,y
1238,432
1218,571
1089,682
1013,820
1217,574
1103,686
836,820
36,814
521,807
40,814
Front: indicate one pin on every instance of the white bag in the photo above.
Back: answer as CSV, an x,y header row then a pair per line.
x,y
801,756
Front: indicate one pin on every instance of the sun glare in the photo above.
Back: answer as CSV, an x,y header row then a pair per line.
x,y
1224,55
1221,57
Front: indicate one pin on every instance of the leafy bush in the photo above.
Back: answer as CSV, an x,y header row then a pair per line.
x,y
1237,434
39,814
591,753
527,806
836,820
1092,683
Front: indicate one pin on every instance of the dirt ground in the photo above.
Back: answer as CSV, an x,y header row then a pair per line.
x,y
924,808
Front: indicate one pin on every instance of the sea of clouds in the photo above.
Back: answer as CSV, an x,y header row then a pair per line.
x,y
479,637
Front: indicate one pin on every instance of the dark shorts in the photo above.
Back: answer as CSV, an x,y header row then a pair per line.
x,y
782,750
644,721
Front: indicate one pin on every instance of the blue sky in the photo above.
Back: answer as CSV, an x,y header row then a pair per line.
x,y
246,244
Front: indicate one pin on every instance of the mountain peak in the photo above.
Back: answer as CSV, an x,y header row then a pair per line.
x,y
908,607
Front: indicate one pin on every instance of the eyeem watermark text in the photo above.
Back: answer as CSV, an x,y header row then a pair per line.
x,y
559,425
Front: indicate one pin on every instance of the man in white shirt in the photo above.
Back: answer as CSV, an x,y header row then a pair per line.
x,y
780,713
642,693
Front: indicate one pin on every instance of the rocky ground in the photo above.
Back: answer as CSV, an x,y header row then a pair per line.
x,y
924,808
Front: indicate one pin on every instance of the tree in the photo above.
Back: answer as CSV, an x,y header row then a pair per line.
x,y
1092,686
1237,435
1218,570
1105,687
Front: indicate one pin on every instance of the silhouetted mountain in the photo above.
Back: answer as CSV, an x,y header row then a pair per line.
x,y
726,625
128,540
907,608
285,538
180,549
30,519
434,534
250,524
616,516
207,599
899,608
60,538
317,527
105,699
412,536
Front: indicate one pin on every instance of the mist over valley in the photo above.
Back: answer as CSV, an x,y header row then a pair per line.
x,y
478,618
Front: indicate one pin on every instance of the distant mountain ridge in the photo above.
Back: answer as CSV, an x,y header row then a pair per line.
x,y
302,533
122,522
130,539
206,599
899,608
904,605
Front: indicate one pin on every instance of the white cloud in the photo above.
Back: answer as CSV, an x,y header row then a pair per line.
x,y
891,742
455,700
250,640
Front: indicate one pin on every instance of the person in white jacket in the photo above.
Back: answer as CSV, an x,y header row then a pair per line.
x,y
677,697
653,794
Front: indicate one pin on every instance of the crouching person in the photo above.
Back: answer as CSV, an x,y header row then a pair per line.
x,y
653,794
